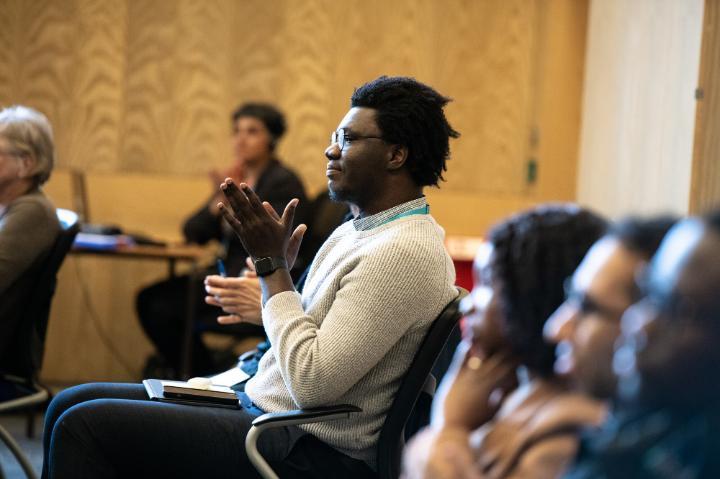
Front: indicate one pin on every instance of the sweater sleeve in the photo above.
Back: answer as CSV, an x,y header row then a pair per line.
x,y
369,314
26,232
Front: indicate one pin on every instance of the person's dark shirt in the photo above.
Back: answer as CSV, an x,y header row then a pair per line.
x,y
652,444
277,185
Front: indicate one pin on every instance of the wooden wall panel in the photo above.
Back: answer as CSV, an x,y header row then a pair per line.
x,y
639,106
147,86
705,187
140,93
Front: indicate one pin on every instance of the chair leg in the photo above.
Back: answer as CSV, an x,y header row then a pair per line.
x,y
17,452
30,423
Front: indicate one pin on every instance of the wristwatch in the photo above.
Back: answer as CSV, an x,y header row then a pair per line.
x,y
267,265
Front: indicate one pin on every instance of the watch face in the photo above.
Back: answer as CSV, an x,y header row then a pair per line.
x,y
264,266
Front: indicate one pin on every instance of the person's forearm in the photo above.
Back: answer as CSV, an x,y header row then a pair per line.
x,y
277,282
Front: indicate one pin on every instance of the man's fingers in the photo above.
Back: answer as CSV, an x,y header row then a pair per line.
x,y
296,238
250,264
225,292
229,319
230,283
212,301
238,201
231,192
230,218
253,199
299,233
289,214
271,211
294,244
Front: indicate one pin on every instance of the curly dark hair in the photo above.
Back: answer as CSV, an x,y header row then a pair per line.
x,y
533,253
411,114
272,118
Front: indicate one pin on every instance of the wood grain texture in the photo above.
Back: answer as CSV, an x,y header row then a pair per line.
x,y
705,188
140,94
639,106
147,86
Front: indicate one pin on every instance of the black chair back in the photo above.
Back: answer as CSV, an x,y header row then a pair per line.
x,y
392,435
29,346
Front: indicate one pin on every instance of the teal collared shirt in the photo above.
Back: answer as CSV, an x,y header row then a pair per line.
x,y
413,207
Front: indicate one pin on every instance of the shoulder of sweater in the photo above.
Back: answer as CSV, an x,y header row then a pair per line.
x,y
33,203
411,239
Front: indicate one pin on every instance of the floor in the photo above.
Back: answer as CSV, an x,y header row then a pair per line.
x,y
15,424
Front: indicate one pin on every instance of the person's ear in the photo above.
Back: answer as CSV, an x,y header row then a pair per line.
x,y
399,154
27,165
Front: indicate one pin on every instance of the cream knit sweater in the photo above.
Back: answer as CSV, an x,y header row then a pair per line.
x,y
373,290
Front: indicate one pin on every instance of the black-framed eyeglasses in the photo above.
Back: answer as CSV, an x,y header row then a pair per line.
x,y
342,137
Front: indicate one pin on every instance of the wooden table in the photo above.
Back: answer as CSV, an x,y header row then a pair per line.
x,y
193,255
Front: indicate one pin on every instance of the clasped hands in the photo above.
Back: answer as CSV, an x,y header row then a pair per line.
x,y
239,297
468,397
262,233
260,229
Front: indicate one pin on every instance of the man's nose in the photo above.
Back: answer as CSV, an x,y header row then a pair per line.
x,y
637,317
332,152
559,327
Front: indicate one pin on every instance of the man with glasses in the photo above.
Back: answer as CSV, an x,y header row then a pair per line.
x,y
372,291
587,325
667,417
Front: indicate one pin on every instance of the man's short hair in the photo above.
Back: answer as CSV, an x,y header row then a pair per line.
x,y
411,114
713,220
642,235
272,118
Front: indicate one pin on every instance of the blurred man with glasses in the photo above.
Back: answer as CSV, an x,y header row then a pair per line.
x,y
667,405
587,325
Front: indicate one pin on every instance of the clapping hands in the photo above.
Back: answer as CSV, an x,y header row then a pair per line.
x,y
261,230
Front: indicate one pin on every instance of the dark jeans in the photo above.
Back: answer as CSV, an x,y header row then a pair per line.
x,y
162,307
112,430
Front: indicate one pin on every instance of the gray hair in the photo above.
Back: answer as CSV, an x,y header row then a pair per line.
x,y
29,133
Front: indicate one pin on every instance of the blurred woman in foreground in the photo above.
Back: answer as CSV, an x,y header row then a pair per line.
x,y
500,411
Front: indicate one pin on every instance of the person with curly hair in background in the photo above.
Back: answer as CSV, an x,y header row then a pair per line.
x,y
500,411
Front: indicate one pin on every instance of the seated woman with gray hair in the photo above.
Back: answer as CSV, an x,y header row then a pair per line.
x,y
28,220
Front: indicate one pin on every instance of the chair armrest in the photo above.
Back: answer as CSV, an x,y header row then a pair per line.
x,y
288,418
304,416
247,355
29,393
